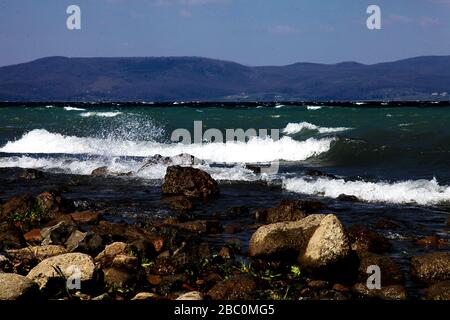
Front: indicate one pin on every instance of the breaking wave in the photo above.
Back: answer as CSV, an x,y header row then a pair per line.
x,y
293,128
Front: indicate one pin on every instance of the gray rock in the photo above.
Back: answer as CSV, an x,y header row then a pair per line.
x,y
57,234
193,295
17,287
284,237
327,246
86,242
46,270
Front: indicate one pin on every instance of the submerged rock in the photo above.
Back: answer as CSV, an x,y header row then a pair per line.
x,y
190,182
432,267
364,240
201,226
348,198
320,174
31,174
17,287
283,238
289,210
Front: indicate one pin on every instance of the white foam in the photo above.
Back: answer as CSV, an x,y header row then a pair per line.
x,y
279,106
293,128
313,108
255,150
74,109
101,114
116,165
423,192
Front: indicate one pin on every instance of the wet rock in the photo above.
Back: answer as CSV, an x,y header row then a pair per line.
x,y
432,267
439,291
85,242
390,271
17,287
364,240
57,234
433,241
320,174
225,253
86,217
31,174
328,247
201,226
387,224
100,172
289,210
45,273
283,238
181,203
235,288
348,198
232,229
191,296
190,182
10,237
33,236
181,159
385,293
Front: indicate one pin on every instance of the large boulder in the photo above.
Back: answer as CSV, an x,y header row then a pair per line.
x,y
17,287
53,269
190,182
328,246
289,210
432,267
284,238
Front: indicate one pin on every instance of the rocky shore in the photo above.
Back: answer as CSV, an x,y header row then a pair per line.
x,y
299,249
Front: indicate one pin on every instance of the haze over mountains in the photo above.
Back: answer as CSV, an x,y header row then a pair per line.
x,y
163,79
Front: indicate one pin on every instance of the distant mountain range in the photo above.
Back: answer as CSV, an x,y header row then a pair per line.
x,y
162,79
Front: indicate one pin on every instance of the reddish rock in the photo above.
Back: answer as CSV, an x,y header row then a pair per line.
x,y
33,236
154,279
432,241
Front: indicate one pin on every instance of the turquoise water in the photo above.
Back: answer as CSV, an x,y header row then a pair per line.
x,y
382,154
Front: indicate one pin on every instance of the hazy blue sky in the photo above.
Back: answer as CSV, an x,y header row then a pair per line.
x,y
253,32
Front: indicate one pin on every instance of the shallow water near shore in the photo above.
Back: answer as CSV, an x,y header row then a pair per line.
x,y
395,160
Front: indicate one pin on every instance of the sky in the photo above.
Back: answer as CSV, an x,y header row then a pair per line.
x,y
251,32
